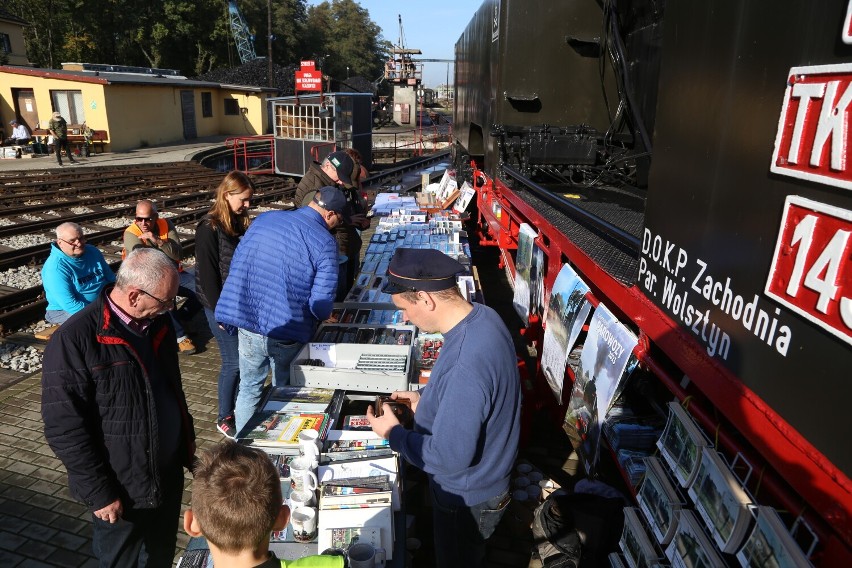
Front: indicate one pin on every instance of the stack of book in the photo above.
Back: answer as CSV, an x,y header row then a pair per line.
x,y
285,413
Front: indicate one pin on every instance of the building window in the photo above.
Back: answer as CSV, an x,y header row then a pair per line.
x,y
70,105
232,107
206,105
5,43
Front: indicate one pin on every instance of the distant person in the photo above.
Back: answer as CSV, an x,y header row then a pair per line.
x,y
58,128
236,504
150,231
467,419
115,413
216,239
73,275
282,282
341,169
349,236
20,134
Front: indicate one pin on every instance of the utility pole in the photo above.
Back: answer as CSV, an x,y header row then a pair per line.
x,y
269,42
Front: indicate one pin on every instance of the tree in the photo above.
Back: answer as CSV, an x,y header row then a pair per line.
x,y
344,32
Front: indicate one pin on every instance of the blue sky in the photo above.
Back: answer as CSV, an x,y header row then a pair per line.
x,y
431,26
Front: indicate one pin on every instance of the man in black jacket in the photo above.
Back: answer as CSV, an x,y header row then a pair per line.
x,y
115,413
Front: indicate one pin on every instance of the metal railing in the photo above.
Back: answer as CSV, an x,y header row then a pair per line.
x,y
254,154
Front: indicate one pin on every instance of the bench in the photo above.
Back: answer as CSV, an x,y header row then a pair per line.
x,y
76,139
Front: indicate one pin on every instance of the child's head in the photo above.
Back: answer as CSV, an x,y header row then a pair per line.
x,y
236,498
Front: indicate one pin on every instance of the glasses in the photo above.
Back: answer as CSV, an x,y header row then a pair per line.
x,y
164,303
73,242
144,219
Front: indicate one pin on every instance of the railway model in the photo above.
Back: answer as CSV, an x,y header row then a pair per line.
x,y
690,163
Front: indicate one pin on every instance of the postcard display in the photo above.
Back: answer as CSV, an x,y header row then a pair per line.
x,y
696,510
369,349
358,495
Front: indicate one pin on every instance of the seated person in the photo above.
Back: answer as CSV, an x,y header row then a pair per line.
x,y
236,504
150,231
73,274
20,134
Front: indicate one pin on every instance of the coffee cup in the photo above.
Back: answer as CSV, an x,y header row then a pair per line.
x,y
309,445
302,474
302,499
304,523
365,555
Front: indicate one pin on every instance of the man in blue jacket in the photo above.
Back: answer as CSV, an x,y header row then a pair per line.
x,y
282,281
73,275
466,420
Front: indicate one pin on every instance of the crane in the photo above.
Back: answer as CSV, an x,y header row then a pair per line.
x,y
242,35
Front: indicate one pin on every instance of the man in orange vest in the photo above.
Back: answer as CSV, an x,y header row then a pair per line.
x,y
149,231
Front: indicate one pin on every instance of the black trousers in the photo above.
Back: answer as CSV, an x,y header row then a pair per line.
x,y
58,144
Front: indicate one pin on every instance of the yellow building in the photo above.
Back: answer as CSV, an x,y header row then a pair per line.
x,y
12,38
137,107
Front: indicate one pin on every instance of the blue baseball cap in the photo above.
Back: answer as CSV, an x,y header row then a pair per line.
x,y
330,199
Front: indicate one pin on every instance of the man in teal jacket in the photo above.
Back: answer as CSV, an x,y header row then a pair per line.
x,y
73,275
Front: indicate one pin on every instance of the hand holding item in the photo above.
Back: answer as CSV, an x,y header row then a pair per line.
x,y
111,513
359,220
382,425
412,396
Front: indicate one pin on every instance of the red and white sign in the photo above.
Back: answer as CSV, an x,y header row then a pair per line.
x,y
813,140
811,271
847,25
308,65
308,81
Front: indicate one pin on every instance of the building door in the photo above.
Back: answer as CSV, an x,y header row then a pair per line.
x,y
187,110
25,108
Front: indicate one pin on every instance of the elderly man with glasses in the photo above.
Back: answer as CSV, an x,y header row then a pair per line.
x,y
115,413
73,274
150,231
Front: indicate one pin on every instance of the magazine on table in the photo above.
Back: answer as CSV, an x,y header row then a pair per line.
x,y
638,550
690,546
281,430
659,501
298,399
771,544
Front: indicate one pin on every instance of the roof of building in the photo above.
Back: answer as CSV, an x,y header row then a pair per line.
x,y
114,78
8,16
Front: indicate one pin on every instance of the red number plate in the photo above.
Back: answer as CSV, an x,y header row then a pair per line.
x,y
811,271
813,138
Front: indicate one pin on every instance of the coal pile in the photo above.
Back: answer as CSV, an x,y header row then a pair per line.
x,y
356,85
255,74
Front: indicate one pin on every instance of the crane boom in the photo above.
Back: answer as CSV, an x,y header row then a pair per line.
x,y
242,36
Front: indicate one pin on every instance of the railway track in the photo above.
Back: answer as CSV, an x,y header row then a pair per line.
x,y
180,185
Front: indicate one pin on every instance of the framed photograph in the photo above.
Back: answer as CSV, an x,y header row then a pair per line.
x,y
771,544
659,501
690,547
721,501
681,445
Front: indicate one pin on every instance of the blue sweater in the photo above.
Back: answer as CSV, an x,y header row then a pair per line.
x,y
72,283
283,276
468,419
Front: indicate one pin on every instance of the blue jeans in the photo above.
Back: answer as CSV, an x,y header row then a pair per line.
x,y
179,331
229,374
142,537
56,317
257,354
461,531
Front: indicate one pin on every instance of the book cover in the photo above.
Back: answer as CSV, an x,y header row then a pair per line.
x,y
371,518
681,443
721,501
771,544
343,538
690,546
567,311
356,422
523,259
357,445
659,501
295,399
269,428
639,551
600,375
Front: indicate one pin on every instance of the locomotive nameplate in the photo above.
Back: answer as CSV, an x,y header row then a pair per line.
x,y
811,273
813,139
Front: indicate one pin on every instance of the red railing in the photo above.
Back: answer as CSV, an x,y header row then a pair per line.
x,y
248,149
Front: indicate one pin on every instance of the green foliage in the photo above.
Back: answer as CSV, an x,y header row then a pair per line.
x,y
194,36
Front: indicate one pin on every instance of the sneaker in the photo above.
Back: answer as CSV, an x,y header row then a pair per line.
x,y
227,427
186,347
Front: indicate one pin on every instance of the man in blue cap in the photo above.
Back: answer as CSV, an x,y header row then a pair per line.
x,y
467,419
282,281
